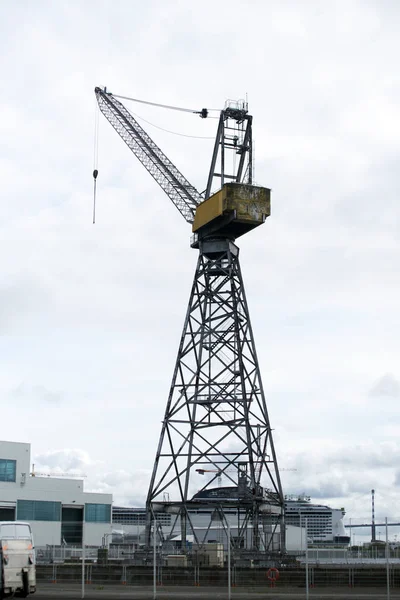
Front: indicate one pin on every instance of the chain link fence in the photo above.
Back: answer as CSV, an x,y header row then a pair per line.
x,y
321,577
133,566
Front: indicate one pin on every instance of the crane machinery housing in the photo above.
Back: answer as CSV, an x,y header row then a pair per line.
x,y
216,419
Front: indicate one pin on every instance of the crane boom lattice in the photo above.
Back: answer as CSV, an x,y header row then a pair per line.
x,y
184,195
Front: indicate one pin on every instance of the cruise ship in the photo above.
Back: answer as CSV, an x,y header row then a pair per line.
x,y
324,524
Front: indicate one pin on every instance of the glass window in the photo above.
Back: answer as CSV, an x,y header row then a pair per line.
x,y
32,510
98,513
8,469
25,510
132,516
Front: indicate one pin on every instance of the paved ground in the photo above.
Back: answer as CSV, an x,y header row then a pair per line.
x,y
92,592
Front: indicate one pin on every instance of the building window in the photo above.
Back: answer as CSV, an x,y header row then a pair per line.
x,y
134,516
33,510
98,513
8,469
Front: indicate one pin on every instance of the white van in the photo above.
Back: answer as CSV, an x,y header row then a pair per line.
x,y
17,559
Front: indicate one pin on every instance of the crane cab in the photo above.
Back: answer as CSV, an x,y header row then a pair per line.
x,y
232,211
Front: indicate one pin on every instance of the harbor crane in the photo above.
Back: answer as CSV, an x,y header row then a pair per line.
x,y
216,412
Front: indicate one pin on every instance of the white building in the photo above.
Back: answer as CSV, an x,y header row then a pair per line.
x,y
58,509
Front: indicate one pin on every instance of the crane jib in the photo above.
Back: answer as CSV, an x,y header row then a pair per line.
x,y
184,195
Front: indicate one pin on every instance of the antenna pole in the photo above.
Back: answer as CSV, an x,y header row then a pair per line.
x,y
373,530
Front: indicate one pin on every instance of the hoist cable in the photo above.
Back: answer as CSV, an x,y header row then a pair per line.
x,y
96,135
95,158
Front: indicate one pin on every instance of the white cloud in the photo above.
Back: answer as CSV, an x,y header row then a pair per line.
x,y
387,385
35,394
63,461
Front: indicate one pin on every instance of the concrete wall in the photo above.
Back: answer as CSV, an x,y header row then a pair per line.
x,y
46,532
295,538
94,532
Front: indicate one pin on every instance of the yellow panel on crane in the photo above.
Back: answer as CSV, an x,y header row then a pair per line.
x,y
248,205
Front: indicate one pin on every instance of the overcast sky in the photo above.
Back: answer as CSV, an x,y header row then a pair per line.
x,y
91,316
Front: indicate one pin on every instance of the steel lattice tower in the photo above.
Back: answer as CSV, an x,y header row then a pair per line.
x,y
216,418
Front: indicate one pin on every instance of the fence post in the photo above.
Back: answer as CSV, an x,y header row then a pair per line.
x,y
154,560
387,562
307,586
83,553
229,559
